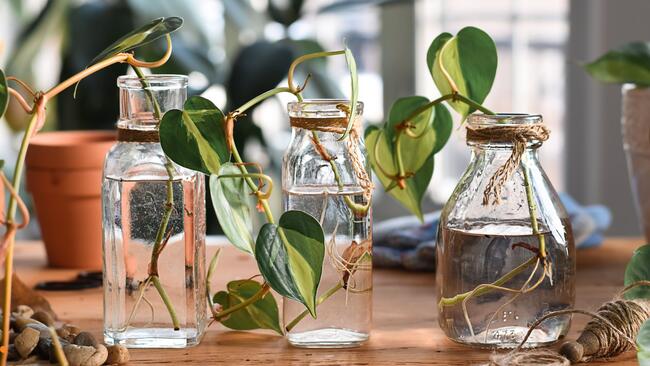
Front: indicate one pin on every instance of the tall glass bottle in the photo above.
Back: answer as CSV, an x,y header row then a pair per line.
x,y
328,179
154,227
482,242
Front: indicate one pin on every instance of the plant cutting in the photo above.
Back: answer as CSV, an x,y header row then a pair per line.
x,y
630,65
35,105
290,251
495,210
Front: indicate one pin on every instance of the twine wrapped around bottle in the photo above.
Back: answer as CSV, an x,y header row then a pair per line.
x,y
519,136
338,125
133,135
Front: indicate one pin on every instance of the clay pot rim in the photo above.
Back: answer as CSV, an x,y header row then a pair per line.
x,y
56,139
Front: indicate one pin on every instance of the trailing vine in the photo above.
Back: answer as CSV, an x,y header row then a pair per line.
x,y
119,52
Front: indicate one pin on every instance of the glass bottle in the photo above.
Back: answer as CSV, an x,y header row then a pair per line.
x,y
481,243
328,179
141,189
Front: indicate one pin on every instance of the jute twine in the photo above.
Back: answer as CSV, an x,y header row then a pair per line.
x,y
338,125
519,136
529,358
611,331
129,135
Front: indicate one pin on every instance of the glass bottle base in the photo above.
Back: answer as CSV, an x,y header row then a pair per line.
x,y
327,338
508,338
154,338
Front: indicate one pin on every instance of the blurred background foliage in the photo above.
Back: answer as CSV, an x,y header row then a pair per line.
x,y
232,50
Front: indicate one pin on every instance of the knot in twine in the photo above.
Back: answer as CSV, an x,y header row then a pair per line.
x,y
339,125
519,136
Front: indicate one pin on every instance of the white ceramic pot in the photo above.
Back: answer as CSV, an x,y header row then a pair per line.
x,y
636,141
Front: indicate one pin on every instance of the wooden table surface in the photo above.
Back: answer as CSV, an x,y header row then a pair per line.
x,y
405,328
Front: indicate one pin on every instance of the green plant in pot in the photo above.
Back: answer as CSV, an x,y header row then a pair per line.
x,y
630,65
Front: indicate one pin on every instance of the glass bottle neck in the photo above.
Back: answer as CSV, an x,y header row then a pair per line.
x,y
143,102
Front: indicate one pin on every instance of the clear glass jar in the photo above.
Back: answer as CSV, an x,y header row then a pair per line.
x,y
325,183
136,200
481,243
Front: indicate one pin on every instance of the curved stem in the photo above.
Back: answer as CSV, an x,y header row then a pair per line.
x,y
23,85
119,58
208,278
242,167
302,59
449,301
258,295
153,64
23,103
260,98
472,104
168,303
11,214
532,209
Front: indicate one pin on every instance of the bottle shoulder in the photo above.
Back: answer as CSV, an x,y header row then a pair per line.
x,y
141,161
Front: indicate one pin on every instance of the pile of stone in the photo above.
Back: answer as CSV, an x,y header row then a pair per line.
x,y
31,339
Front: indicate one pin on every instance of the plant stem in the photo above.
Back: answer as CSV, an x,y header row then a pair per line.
x,y
304,58
260,98
258,295
11,215
472,104
449,301
319,301
163,295
156,250
532,209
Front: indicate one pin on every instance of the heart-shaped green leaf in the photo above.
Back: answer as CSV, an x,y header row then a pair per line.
x,y
354,90
638,269
627,64
194,137
4,94
230,198
414,151
443,124
146,34
381,158
290,256
262,314
466,62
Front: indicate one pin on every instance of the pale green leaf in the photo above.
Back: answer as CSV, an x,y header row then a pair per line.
x,y
194,137
627,64
466,62
354,90
261,314
232,205
146,34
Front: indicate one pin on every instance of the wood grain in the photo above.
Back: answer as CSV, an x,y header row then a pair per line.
x,y
405,328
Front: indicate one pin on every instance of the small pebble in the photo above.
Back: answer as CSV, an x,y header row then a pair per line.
x,y
19,323
68,332
85,355
85,339
26,341
117,354
24,311
44,318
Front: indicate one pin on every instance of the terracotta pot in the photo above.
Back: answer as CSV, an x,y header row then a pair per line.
x,y
64,175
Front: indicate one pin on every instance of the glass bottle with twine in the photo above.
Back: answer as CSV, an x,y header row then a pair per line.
x,y
505,246
328,178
